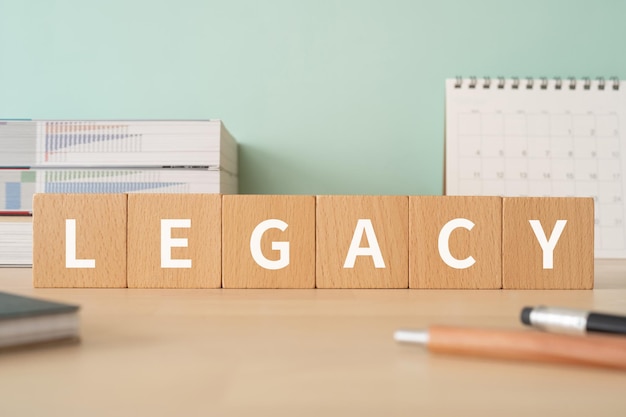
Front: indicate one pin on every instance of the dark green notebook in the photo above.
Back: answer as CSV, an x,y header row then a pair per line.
x,y
26,320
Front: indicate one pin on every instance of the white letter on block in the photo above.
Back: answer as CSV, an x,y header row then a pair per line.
x,y
548,245
168,242
444,247
281,247
70,248
364,225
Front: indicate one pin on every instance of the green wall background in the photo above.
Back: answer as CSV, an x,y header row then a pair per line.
x,y
324,96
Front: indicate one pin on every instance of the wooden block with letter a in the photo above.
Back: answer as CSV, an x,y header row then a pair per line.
x,y
268,241
547,243
456,242
362,242
174,240
79,240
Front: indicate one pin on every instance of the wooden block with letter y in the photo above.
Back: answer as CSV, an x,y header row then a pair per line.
x,y
79,240
456,242
174,240
268,241
547,243
362,242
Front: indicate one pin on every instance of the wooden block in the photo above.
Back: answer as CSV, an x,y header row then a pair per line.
x,y
566,260
174,240
79,240
376,224
268,241
455,242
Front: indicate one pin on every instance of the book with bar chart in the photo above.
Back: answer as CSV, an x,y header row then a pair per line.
x,y
21,184
135,143
106,156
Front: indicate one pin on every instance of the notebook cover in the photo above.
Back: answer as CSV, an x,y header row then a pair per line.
x,y
15,306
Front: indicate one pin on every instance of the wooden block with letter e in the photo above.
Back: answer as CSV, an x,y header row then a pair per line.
x,y
268,241
174,240
362,241
547,243
456,242
79,240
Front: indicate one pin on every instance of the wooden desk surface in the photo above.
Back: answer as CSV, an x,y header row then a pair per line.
x,y
296,353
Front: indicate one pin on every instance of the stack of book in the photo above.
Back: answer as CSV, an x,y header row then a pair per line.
x,y
112,156
16,241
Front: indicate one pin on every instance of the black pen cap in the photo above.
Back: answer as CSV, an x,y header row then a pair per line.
x,y
525,316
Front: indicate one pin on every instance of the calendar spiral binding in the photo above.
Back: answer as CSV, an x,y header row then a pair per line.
x,y
543,83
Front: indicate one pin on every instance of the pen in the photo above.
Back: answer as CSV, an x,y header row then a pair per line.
x,y
572,321
592,350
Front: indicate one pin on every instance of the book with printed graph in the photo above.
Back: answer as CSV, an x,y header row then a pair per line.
x,y
106,156
113,156
19,185
113,143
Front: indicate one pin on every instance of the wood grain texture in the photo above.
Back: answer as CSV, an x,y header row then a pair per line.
x,y
428,215
100,235
299,353
242,214
337,218
203,246
522,256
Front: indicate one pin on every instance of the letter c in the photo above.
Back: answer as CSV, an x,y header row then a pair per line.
x,y
444,247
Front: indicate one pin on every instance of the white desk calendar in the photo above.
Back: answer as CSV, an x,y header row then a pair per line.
x,y
542,137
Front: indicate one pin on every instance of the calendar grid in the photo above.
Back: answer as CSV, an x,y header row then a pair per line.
x,y
558,143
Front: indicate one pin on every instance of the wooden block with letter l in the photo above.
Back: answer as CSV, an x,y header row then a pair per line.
x,y
174,240
268,241
79,240
547,243
456,242
362,242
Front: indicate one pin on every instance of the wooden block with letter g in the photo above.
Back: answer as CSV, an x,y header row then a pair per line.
x,y
79,240
456,242
268,241
362,242
174,240
547,243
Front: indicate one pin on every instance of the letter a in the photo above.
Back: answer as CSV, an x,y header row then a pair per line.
x,y
364,225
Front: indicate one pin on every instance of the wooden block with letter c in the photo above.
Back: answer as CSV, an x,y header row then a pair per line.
x,y
456,242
